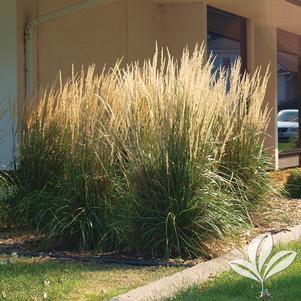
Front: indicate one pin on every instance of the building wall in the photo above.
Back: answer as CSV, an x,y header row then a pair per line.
x,y
99,35
95,35
127,29
27,10
144,29
184,25
8,79
265,54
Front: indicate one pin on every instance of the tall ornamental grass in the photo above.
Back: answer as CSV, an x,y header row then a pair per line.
x,y
153,159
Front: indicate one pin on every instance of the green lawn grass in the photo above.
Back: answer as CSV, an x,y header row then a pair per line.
x,y
229,286
283,146
26,279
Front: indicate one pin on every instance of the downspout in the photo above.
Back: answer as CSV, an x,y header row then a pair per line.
x,y
34,24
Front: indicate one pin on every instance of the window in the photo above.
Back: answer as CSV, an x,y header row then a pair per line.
x,y
226,38
289,100
296,2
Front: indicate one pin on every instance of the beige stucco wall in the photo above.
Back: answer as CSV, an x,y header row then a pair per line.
x,y
184,24
101,35
265,54
144,29
94,35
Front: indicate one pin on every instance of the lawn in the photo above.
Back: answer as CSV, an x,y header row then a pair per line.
x,y
283,146
232,287
44,279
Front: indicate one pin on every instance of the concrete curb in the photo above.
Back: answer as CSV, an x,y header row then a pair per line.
x,y
168,286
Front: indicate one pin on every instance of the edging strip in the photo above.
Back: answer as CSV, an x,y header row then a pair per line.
x,y
168,286
8,249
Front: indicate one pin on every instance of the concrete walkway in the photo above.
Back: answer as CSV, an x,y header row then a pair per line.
x,y
168,286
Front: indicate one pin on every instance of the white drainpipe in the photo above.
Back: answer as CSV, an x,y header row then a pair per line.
x,y
44,19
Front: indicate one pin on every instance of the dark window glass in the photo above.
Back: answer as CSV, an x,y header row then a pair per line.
x,y
288,69
226,38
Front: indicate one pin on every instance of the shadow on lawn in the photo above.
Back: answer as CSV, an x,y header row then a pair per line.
x,y
29,266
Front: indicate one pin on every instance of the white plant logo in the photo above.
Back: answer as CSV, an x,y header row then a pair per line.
x,y
256,268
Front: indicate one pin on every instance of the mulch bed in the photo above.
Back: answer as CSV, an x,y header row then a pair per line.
x,y
17,250
276,214
27,244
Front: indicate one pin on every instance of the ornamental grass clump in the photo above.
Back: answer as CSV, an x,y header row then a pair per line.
x,y
292,186
243,159
69,165
155,159
7,193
